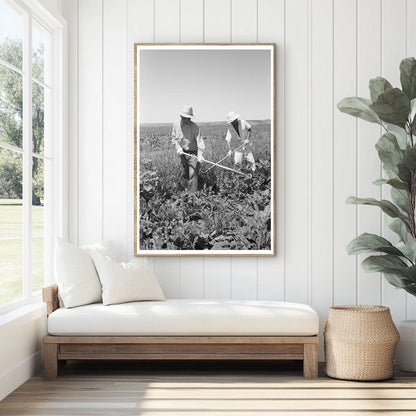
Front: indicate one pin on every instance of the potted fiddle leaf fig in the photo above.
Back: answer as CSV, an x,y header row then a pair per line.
x,y
394,109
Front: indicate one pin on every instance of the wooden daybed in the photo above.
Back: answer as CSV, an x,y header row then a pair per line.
x,y
59,348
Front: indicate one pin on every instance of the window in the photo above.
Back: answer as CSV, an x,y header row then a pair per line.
x,y
31,141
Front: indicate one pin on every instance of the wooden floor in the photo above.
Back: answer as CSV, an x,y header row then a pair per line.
x,y
191,389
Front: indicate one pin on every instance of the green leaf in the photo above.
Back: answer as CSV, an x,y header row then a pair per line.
x,y
395,183
359,107
380,182
411,289
410,158
400,228
404,173
408,249
390,173
381,263
366,243
400,198
408,77
378,86
392,107
412,113
396,271
398,184
389,151
412,116
397,280
401,137
388,207
410,272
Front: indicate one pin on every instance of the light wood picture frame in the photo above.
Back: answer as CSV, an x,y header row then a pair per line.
x,y
204,149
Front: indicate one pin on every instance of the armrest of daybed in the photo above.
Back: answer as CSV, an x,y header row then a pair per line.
x,y
50,297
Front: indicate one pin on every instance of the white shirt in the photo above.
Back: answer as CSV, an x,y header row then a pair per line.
x,y
188,136
243,128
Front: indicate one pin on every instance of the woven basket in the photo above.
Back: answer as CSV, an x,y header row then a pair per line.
x,y
360,342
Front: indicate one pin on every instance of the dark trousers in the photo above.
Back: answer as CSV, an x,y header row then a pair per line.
x,y
190,169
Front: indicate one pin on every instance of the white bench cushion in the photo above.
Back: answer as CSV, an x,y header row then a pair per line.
x,y
187,317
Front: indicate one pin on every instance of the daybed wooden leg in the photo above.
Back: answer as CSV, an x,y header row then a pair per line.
x,y
310,360
50,360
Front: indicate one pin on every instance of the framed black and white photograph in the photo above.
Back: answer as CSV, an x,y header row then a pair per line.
x,y
204,150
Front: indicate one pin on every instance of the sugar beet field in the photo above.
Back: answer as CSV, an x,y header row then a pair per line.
x,y
229,212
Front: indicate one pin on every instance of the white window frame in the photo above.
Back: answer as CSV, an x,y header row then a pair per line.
x,y
58,211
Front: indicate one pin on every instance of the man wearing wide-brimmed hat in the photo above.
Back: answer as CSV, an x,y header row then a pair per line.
x,y
189,145
241,133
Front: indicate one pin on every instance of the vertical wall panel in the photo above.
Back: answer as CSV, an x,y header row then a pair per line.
x,y
369,167
244,278
115,136
70,11
217,20
411,51
217,278
271,270
140,29
217,28
167,29
393,51
345,151
192,21
244,21
411,28
140,23
296,152
321,165
90,183
244,29
168,272
192,31
192,278
167,21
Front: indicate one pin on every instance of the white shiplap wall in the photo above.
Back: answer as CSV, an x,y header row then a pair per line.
x,y
326,50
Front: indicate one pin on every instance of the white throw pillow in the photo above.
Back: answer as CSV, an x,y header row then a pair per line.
x,y
126,282
75,273
104,247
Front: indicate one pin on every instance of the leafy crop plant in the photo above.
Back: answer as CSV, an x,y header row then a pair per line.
x,y
228,212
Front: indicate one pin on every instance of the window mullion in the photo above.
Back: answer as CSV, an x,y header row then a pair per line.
x,y
12,67
27,157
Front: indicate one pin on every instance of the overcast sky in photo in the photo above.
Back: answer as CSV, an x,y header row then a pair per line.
x,y
214,82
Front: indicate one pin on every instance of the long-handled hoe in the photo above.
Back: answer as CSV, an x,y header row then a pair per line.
x,y
221,166
225,157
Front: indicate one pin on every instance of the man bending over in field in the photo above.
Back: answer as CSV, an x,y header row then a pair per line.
x,y
189,145
241,131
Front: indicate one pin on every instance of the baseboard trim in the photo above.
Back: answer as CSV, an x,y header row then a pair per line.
x,y
11,379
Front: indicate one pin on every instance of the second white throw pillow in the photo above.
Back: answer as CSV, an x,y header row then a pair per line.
x,y
126,282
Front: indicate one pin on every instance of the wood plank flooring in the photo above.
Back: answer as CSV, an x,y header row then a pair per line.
x,y
206,388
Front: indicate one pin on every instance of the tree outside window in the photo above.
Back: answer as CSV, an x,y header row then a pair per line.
x,y
24,61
